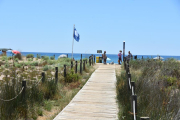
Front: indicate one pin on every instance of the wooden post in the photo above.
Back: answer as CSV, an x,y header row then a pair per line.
x,y
43,77
90,60
144,118
81,66
67,56
24,89
56,74
81,56
134,105
94,59
133,87
159,58
127,70
135,57
71,64
23,97
76,67
86,61
64,70
123,50
128,65
142,57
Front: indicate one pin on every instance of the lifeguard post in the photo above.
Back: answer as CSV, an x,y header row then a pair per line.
x,y
99,58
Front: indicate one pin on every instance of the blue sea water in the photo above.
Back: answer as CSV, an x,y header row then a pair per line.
x,y
77,56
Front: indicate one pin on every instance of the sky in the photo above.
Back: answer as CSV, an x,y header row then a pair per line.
x,y
148,27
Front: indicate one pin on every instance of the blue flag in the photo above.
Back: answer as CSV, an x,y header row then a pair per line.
x,y
76,35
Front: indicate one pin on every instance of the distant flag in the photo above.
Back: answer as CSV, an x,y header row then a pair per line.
x,y
76,35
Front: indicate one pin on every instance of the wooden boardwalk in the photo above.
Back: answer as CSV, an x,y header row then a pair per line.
x,y
96,100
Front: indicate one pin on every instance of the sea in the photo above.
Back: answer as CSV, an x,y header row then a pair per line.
x,y
77,56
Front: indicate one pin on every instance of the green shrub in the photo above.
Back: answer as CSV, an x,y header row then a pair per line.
x,y
16,60
4,58
68,60
45,68
27,63
45,58
40,112
38,56
29,56
35,63
47,105
18,56
50,89
51,62
7,64
72,77
9,58
52,58
30,59
159,79
17,65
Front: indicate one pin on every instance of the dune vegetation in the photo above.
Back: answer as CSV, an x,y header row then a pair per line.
x,y
39,99
157,85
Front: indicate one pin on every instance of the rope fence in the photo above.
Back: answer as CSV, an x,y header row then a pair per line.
x,y
82,65
131,88
13,97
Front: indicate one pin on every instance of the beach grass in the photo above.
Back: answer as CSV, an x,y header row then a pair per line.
x,y
40,98
157,89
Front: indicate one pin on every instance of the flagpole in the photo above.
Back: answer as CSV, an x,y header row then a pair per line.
x,y
72,43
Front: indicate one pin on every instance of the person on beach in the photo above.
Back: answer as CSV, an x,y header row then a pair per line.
x,y
120,57
129,56
104,57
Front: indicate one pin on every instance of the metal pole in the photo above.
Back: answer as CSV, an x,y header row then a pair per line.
x,y
73,42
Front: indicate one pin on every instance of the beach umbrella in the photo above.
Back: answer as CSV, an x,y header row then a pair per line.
x,y
15,52
157,58
108,59
62,56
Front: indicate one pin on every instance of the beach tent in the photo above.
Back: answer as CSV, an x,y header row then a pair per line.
x,y
108,59
157,58
62,56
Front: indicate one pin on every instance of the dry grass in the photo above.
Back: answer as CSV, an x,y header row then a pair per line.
x,y
157,89
58,95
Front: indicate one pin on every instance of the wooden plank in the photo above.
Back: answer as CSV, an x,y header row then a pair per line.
x,y
96,100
